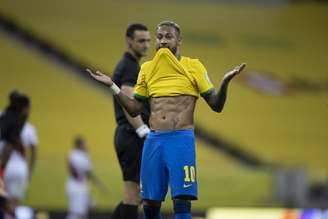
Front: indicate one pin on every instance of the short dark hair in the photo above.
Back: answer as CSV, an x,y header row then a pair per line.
x,y
18,102
134,27
78,141
13,95
170,24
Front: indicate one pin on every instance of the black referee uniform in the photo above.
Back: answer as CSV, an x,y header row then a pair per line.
x,y
128,145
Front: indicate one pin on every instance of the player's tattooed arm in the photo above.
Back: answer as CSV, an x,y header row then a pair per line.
x,y
131,105
216,100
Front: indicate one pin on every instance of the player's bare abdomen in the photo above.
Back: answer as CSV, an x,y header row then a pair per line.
x,y
172,113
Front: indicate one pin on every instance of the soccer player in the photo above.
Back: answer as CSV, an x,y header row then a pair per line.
x,y
16,175
130,132
77,189
171,83
28,137
13,161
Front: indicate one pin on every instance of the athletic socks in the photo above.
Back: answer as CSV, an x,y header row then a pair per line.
x,y
182,209
152,212
123,211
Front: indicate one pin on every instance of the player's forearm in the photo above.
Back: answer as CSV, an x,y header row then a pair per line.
x,y
32,160
218,100
132,106
136,122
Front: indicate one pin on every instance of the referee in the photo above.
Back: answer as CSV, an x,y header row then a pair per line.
x,y
12,121
130,131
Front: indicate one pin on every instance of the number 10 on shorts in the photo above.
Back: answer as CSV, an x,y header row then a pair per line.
x,y
190,173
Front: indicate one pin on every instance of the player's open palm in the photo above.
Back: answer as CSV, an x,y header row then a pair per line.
x,y
231,74
99,76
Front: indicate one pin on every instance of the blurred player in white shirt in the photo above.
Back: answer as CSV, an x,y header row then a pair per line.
x,y
15,163
77,189
19,168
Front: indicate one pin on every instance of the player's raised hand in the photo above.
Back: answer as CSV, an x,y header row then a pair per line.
x,y
231,74
99,76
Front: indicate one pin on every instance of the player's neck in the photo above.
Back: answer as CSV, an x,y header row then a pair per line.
x,y
178,56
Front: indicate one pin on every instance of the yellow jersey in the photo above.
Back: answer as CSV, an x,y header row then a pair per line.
x,y
165,75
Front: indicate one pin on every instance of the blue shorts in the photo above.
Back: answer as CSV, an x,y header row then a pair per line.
x,y
168,158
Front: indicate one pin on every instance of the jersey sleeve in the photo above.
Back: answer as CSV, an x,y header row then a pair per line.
x,y
140,89
203,82
29,135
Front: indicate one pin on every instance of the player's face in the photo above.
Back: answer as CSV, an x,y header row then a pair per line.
x,y
167,37
140,42
26,111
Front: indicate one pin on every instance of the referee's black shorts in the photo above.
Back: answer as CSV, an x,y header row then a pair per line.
x,y
128,147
